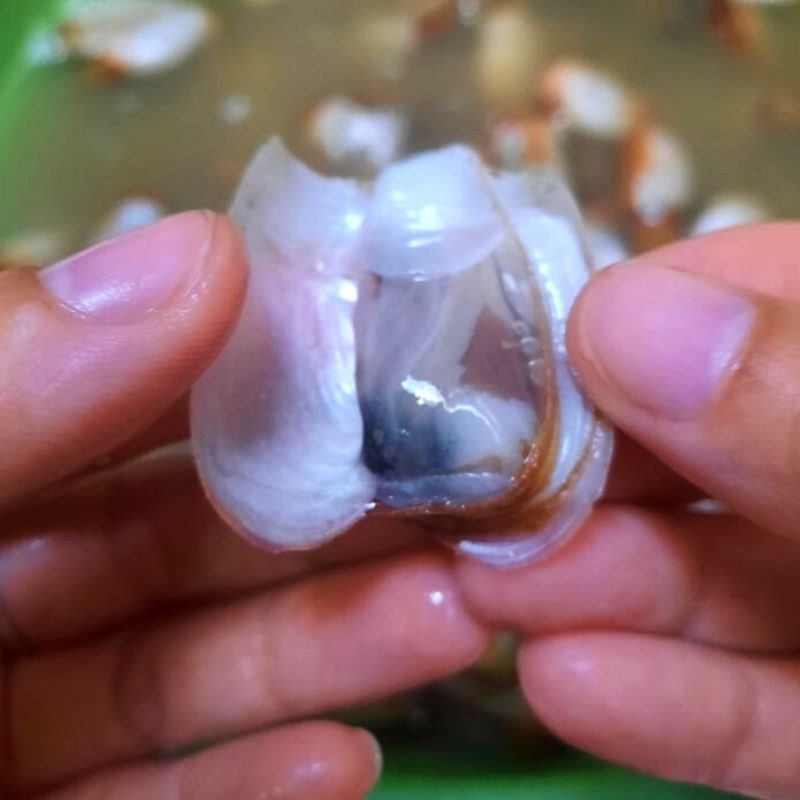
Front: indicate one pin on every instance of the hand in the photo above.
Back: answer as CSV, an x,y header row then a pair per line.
x,y
662,638
133,625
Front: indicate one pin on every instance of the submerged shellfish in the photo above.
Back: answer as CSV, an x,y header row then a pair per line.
x,y
127,37
356,139
402,350
507,57
729,211
130,213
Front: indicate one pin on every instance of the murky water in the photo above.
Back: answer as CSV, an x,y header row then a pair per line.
x,y
76,145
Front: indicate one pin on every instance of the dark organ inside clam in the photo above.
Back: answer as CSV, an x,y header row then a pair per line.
x,y
402,350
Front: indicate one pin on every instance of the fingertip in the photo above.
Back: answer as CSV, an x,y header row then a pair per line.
x,y
223,283
596,579
228,253
578,339
558,666
96,347
333,762
372,756
490,594
581,692
316,759
658,705
421,597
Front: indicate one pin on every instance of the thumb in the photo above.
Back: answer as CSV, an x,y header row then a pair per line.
x,y
705,375
95,348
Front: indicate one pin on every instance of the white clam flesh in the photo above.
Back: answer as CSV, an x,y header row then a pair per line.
x,y
402,350
662,176
129,214
588,100
729,211
356,139
605,245
133,37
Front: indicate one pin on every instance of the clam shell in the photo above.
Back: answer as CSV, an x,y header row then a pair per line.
x,y
402,350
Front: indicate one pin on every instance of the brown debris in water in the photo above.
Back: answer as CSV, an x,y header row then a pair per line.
x,y
738,26
435,19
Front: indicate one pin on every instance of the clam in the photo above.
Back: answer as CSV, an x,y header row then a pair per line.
x,y
588,100
658,184
127,37
130,213
402,351
729,211
349,137
515,142
594,117
606,245
507,56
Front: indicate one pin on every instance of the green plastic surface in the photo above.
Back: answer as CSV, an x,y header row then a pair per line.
x,y
426,773
423,772
17,19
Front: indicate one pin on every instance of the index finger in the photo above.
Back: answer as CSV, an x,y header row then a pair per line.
x,y
136,541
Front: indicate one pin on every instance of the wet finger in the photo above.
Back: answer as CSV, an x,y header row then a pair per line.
x,y
637,476
316,760
703,375
331,641
713,579
678,710
138,541
171,428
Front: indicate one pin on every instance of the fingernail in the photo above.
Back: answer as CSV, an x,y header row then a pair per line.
x,y
663,338
377,751
125,279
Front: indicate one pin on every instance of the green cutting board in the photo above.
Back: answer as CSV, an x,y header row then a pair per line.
x,y
450,773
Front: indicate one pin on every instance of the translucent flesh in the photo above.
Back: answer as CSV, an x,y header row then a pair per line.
x,y
401,345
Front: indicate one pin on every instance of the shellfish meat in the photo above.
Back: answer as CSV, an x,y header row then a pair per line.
x,y
126,37
401,350
356,139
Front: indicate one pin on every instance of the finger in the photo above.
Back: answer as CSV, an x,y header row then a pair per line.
x,y
331,641
122,545
98,347
713,579
761,258
637,476
678,710
316,760
126,544
728,255
705,376
169,429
